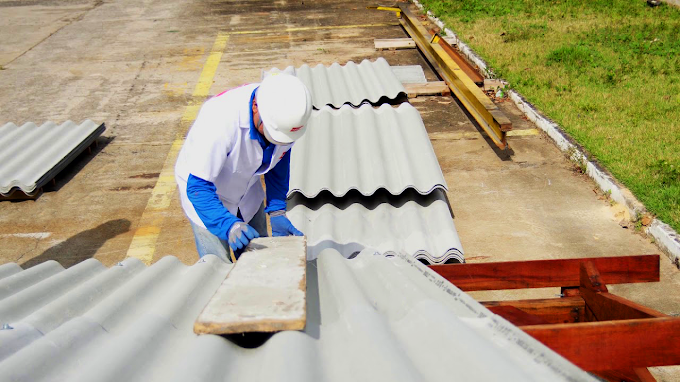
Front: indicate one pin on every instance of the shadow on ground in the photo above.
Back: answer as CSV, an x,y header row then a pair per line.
x,y
81,246
79,163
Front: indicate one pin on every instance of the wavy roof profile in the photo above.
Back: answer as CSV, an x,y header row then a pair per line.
x,y
365,149
350,83
372,318
420,226
32,155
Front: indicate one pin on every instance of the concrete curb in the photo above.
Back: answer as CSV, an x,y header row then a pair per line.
x,y
665,237
673,2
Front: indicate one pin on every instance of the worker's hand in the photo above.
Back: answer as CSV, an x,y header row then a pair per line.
x,y
281,226
240,235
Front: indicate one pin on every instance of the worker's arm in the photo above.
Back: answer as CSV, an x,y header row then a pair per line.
x,y
217,219
277,180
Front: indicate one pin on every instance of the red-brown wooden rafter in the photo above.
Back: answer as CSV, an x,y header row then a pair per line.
x,y
548,273
517,316
613,337
550,310
614,345
605,306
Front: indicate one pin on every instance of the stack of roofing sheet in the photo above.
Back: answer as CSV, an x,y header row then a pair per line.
x,y
372,318
33,155
350,83
367,149
419,225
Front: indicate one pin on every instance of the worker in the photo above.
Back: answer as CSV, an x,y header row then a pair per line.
x,y
238,136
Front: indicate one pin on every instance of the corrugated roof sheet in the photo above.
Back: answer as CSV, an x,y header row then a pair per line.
x,y
350,83
365,149
372,318
32,155
418,225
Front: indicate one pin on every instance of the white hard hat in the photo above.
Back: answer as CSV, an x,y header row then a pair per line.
x,y
284,104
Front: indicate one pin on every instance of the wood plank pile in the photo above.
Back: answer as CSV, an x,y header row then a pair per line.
x,y
610,336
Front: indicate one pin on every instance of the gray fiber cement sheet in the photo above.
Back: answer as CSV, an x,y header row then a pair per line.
x,y
371,318
353,84
32,155
418,225
365,149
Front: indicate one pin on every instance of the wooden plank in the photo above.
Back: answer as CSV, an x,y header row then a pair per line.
x,y
590,279
480,107
607,307
264,292
570,291
644,375
517,317
428,88
589,316
614,345
469,69
548,273
451,40
394,43
604,306
551,310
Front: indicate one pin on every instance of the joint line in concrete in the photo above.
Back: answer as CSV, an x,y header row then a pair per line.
x,y
302,29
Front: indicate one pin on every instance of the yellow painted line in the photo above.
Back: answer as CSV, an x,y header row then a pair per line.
x,y
475,135
191,112
442,136
302,29
143,244
206,79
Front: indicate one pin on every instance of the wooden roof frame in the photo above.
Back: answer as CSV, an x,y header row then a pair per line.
x,y
607,335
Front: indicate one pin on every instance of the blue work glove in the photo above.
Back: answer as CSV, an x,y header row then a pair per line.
x,y
281,226
240,235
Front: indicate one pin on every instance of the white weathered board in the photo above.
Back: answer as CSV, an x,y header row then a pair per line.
x,y
394,43
429,88
264,292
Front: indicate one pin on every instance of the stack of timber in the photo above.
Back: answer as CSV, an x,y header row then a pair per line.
x,y
602,333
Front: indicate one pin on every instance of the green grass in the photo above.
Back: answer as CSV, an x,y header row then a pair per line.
x,y
607,71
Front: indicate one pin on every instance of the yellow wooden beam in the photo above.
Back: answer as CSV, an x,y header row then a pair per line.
x,y
482,109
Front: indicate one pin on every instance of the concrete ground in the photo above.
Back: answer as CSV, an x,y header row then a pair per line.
x,y
143,66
